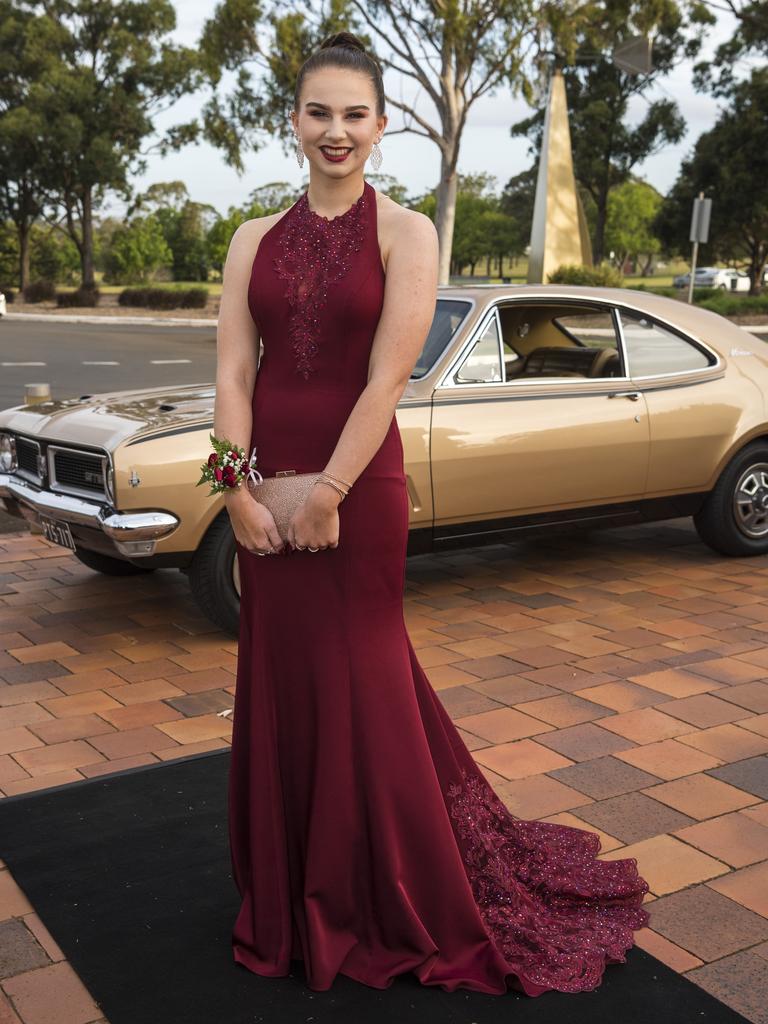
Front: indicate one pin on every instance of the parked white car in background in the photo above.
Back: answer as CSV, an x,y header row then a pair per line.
x,y
2,304
715,277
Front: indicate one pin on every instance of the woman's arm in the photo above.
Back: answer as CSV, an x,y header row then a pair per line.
x,y
237,346
406,316
237,358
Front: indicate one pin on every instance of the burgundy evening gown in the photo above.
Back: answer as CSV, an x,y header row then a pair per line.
x,y
365,841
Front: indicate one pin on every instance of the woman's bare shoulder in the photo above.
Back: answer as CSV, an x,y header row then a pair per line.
x,y
398,224
247,236
253,229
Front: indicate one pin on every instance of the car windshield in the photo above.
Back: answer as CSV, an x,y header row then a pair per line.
x,y
449,313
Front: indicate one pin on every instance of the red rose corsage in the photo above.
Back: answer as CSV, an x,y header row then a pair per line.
x,y
227,466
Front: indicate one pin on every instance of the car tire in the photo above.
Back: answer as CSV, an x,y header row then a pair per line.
x,y
719,522
213,573
107,565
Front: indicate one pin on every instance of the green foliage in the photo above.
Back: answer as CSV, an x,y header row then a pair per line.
x,y
137,250
482,230
604,276
78,99
164,298
733,304
185,231
730,165
632,208
750,37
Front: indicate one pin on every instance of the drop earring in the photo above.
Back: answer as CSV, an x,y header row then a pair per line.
x,y
299,150
376,157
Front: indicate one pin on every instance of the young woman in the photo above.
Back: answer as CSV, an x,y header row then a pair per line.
x,y
365,841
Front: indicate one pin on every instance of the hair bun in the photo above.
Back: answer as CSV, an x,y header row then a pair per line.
x,y
345,39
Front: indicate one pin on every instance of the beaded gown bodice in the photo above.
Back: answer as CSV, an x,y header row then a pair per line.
x,y
317,326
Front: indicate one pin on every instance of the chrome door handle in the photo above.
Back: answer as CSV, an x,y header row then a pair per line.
x,y
634,395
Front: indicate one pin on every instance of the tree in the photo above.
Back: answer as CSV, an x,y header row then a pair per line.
x,y
94,104
27,50
605,147
482,231
730,165
632,209
751,36
138,249
454,50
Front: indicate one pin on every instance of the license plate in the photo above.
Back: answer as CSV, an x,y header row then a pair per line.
x,y
57,533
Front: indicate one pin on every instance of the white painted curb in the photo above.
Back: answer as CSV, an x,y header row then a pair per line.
x,y
171,321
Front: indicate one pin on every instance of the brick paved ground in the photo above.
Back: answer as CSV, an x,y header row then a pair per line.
x,y
615,680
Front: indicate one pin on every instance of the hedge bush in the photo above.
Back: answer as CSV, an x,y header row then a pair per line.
x,y
40,291
82,296
604,276
730,304
164,298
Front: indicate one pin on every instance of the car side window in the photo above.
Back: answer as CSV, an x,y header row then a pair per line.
x,y
483,364
561,339
653,350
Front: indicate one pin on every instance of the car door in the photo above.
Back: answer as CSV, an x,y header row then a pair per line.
x,y
536,413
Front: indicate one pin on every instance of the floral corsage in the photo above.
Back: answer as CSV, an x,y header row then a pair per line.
x,y
227,466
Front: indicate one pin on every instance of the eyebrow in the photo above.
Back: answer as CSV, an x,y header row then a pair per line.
x,y
357,106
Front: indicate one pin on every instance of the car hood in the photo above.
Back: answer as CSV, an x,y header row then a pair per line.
x,y
107,419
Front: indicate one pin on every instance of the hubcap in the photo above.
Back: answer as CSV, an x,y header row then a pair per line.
x,y
750,501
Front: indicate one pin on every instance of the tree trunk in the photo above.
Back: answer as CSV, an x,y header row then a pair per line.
x,y
23,231
87,250
445,217
598,253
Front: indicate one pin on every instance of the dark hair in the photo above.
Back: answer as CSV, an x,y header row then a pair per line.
x,y
343,50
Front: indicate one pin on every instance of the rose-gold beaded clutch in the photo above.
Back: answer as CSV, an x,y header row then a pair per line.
x,y
282,494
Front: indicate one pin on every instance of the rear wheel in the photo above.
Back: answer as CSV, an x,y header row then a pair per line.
x,y
214,576
734,517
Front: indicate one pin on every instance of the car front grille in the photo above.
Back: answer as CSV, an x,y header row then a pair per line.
x,y
76,471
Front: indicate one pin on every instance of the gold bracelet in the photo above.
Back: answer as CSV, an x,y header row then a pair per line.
x,y
330,484
337,478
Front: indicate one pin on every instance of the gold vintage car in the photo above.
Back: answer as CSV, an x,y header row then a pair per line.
x,y
531,408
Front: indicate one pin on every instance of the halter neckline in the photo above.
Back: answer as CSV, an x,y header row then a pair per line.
x,y
341,216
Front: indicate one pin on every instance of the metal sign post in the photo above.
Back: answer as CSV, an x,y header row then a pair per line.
x,y
702,210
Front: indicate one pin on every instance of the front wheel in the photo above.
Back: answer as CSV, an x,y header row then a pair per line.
x,y
734,517
214,576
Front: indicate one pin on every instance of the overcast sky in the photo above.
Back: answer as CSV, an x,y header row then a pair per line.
x,y
412,160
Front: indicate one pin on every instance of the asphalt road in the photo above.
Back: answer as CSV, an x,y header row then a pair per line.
x,y
77,359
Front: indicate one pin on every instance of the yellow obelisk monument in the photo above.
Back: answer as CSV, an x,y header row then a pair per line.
x,y
559,230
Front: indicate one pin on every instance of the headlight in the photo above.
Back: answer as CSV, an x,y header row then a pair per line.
x,y
8,463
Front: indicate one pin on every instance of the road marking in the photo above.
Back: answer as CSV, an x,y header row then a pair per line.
x,y
24,364
99,362
170,360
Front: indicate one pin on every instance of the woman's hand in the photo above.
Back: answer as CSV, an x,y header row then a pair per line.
x,y
252,523
315,523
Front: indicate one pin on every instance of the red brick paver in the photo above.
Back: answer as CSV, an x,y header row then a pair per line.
x,y
616,681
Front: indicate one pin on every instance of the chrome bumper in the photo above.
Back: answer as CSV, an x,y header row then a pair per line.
x,y
132,533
